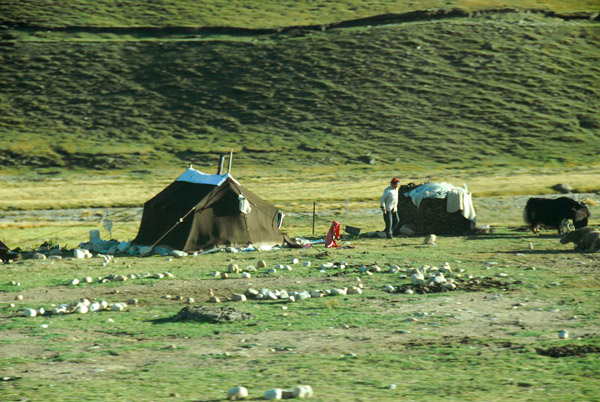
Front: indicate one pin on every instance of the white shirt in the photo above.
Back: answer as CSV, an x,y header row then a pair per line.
x,y
389,199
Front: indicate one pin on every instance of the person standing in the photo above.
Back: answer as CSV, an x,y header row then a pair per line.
x,y
389,207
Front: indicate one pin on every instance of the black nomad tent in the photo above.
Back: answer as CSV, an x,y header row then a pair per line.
x,y
436,208
200,211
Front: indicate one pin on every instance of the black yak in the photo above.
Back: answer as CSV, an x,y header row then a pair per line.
x,y
586,239
555,212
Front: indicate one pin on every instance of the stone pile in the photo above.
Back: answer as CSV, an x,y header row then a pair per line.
x,y
295,296
82,306
299,391
121,278
436,279
431,279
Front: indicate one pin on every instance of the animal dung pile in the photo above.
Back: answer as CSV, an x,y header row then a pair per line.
x,y
211,314
568,350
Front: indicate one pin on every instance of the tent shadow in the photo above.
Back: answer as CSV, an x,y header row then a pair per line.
x,y
539,252
221,400
166,320
513,236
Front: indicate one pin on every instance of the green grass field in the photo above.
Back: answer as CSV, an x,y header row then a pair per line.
x,y
461,345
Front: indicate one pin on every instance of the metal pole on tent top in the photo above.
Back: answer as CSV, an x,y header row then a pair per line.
x,y
314,209
221,163
230,158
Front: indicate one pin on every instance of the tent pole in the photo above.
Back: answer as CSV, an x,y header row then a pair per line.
x,y
221,163
230,158
314,209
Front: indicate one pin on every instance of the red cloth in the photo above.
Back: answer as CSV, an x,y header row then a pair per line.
x,y
332,235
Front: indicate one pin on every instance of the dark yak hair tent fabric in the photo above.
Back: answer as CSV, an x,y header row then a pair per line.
x,y
199,211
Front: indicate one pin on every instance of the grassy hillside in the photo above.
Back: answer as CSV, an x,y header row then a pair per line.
x,y
492,90
242,13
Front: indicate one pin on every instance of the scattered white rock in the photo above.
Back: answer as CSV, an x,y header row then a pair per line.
x,y
417,278
295,261
237,393
261,264
30,312
178,253
338,292
430,239
307,263
450,286
409,291
302,295
563,334
354,290
246,275
390,289
273,394
78,253
74,281
251,293
81,308
239,297
302,391
375,268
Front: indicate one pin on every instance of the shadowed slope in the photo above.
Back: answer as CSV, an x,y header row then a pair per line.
x,y
492,90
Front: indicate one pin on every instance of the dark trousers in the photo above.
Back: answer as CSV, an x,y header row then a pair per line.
x,y
391,220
